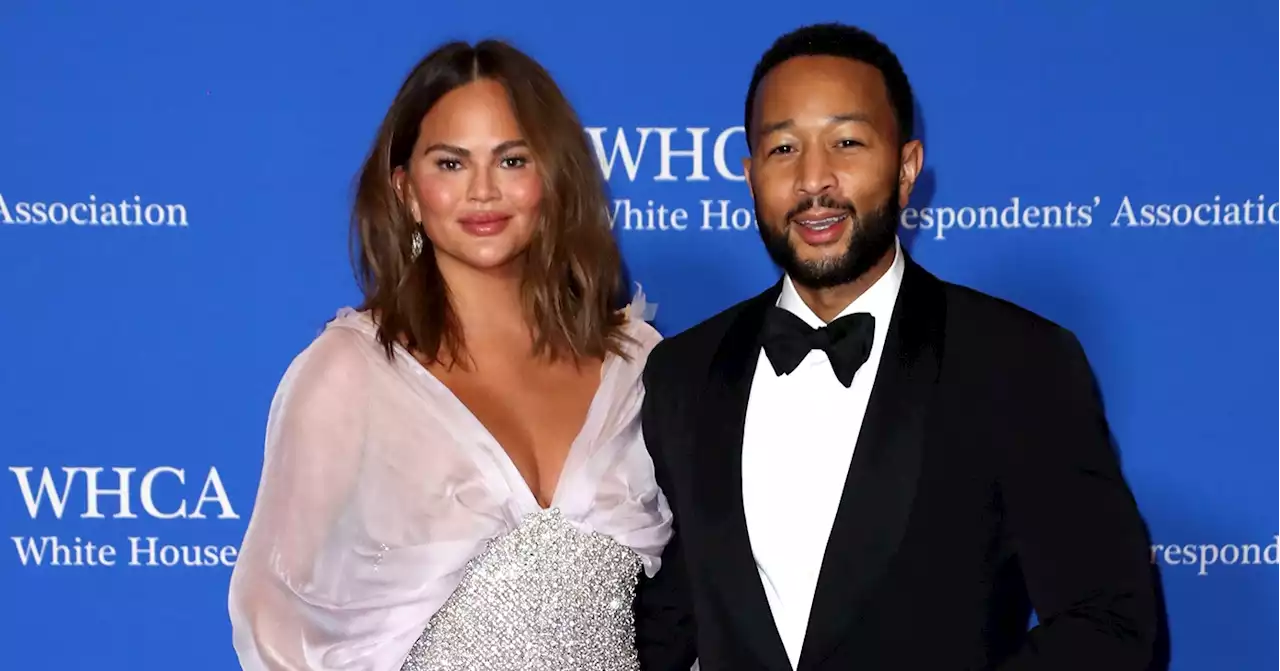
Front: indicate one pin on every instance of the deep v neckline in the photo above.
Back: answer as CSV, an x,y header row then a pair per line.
x,y
500,454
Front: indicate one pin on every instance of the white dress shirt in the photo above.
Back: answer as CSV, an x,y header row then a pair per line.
x,y
797,445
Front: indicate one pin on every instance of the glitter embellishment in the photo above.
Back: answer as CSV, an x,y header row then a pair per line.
x,y
544,597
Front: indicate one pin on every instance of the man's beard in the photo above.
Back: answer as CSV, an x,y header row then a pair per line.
x,y
871,237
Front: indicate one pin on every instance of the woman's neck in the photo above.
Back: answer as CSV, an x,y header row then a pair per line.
x,y
487,302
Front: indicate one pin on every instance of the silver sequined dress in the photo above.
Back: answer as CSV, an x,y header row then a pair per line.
x,y
392,530
543,597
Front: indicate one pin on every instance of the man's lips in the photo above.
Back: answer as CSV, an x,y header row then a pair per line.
x,y
820,219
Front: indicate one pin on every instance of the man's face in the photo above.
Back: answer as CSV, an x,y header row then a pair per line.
x,y
828,172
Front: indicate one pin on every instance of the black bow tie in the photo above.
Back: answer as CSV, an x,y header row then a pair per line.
x,y
787,339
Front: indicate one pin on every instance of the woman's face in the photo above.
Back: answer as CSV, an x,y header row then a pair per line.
x,y
471,180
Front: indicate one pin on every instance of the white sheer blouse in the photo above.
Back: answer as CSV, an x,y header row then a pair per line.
x,y
379,485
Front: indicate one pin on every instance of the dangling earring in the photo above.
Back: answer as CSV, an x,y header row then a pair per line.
x,y
416,243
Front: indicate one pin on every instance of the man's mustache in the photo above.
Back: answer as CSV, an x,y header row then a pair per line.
x,y
824,201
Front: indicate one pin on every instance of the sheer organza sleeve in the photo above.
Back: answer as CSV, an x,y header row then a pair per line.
x,y
287,579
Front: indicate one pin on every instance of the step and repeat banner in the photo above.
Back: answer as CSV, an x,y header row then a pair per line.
x,y
175,183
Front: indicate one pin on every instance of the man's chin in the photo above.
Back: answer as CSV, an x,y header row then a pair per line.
x,y
812,272
826,256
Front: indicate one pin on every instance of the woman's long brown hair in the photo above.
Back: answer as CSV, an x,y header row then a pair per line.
x,y
572,285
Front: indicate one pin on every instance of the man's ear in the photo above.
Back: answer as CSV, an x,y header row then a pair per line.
x,y
911,162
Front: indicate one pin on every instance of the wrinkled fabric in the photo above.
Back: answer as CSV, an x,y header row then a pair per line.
x,y
379,485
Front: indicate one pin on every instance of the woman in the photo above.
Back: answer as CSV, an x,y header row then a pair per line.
x,y
454,474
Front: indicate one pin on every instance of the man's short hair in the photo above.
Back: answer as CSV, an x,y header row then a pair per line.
x,y
842,41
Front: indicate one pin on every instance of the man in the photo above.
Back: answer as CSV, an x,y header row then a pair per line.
x,y
871,468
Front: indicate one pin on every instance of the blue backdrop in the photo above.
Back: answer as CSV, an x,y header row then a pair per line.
x,y
137,361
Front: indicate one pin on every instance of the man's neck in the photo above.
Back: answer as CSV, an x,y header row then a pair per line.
x,y
829,302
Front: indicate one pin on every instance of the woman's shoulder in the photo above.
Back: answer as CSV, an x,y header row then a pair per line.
x,y
638,326
339,357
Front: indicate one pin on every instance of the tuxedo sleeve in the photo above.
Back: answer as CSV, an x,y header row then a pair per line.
x,y
665,632
1075,527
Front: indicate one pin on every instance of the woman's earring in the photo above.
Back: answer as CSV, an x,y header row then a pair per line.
x,y
416,242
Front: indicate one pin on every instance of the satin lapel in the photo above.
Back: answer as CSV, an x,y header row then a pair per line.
x,y
881,483
723,410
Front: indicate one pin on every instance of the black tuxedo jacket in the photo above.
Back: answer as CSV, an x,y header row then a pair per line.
x,y
983,485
